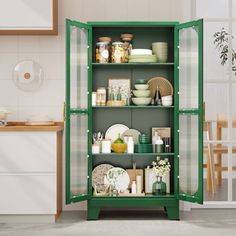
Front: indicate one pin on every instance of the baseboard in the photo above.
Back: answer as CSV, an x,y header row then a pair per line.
x,y
41,219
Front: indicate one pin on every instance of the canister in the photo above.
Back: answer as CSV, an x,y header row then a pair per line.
x,y
95,148
102,52
118,52
94,98
106,146
101,96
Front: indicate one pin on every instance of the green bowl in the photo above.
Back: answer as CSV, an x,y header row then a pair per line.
x,y
141,81
143,148
144,139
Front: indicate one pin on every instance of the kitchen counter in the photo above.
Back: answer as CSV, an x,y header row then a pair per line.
x,y
31,170
23,126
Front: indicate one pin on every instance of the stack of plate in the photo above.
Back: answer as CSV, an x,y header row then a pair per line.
x,y
142,56
160,49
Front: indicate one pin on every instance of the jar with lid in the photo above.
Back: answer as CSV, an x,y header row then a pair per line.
x,y
127,44
101,96
102,52
118,52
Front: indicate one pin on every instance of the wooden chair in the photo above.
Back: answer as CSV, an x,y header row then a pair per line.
x,y
222,122
208,150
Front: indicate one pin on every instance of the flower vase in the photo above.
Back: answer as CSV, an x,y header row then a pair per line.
x,y
159,187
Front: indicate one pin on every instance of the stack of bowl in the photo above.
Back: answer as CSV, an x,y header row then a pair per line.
x,y
142,56
142,93
160,49
167,100
144,145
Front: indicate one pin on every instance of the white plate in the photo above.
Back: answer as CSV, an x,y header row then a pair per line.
x,y
118,178
134,133
141,52
113,132
99,173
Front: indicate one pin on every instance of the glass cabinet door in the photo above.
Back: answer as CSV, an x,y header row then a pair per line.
x,y
77,111
189,111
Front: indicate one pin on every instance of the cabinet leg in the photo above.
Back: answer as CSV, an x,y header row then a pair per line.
x,y
93,213
173,213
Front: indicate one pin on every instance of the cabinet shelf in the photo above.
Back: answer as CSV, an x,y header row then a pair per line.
x,y
131,64
132,107
146,196
135,154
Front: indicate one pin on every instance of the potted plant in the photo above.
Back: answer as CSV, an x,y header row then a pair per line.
x,y
160,168
221,40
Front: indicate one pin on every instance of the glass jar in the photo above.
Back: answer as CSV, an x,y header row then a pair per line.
x,y
127,44
102,52
118,53
101,96
159,187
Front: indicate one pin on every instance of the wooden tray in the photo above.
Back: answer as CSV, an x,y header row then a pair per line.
x,y
116,103
132,175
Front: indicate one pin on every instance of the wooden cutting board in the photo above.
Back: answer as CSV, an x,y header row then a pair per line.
x,y
132,175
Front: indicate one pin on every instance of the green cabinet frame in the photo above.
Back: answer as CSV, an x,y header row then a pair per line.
x,y
170,202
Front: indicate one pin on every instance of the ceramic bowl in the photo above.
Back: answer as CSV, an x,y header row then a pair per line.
x,y
166,103
141,81
141,93
141,101
141,86
167,98
119,147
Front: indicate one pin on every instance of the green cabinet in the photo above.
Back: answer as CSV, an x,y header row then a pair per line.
x,y
84,75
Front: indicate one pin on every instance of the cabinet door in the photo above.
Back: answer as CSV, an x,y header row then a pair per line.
x,y
78,111
188,111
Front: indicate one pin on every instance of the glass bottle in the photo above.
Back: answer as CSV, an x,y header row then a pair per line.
x,y
159,187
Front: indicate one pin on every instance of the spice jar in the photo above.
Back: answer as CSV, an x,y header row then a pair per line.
x,y
102,52
118,52
101,96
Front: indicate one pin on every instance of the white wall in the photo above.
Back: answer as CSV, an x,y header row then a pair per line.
x,y
49,52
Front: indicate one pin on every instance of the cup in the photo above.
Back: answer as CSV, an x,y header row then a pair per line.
x,y
106,146
95,148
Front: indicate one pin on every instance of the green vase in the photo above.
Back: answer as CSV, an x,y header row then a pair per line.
x,y
159,187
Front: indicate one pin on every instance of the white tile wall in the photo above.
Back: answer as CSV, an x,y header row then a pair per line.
x,y
49,52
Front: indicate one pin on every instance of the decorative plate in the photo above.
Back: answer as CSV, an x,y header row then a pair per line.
x,y
118,178
134,133
163,85
113,132
28,75
99,173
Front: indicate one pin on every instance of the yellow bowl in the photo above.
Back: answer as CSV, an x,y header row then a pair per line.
x,y
119,147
